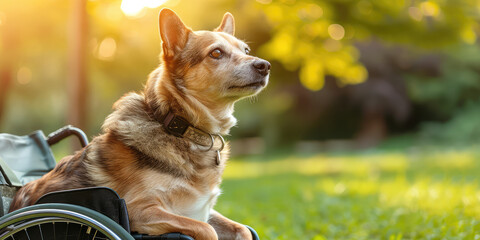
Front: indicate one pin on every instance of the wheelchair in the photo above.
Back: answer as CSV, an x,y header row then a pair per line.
x,y
96,213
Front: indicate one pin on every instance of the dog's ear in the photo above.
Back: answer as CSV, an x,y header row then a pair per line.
x,y
227,25
173,32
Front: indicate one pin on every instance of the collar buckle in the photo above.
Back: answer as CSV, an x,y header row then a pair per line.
x,y
175,125
180,127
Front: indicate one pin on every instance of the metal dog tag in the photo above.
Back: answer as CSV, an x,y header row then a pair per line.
x,y
217,159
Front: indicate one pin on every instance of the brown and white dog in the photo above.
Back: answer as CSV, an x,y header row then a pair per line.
x,y
162,150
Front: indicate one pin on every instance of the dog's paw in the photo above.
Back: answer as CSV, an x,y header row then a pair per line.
x,y
207,232
243,233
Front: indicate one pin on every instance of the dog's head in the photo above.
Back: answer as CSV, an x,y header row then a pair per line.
x,y
210,64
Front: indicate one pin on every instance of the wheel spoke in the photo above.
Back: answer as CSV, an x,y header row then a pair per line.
x,y
80,232
66,233
26,233
94,235
41,233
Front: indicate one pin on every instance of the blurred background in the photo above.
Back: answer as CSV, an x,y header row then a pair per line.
x,y
346,73
361,91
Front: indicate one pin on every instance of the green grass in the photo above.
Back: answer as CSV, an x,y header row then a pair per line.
x,y
378,195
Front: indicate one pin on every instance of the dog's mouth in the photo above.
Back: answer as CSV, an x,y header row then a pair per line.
x,y
254,85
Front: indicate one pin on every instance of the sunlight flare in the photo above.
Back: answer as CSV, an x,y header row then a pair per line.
x,y
24,75
107,49
134,8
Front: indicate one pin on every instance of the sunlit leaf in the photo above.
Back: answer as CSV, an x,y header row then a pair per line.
x,y
312,75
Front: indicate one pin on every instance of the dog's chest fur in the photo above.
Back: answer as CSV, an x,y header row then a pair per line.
x,y
146,165
182,197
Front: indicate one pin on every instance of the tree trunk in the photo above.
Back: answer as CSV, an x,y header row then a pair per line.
x,y
5,80
77,74
8,61
372,131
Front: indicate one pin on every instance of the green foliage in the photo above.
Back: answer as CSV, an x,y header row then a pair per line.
x,y
462,130
452,96
456,84
317,37
381,195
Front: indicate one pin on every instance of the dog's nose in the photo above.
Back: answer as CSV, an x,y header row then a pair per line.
x,y
262,67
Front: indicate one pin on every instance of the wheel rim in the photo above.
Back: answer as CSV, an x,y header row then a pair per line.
x,y
25,220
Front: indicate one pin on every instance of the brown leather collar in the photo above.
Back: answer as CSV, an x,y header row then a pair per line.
x,y
180,127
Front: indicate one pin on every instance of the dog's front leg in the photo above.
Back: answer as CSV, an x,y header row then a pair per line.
x,y
155,221
227,229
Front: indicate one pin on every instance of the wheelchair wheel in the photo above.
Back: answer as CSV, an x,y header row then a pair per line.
x,y
59,221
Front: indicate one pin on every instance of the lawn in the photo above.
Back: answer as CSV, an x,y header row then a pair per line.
x,y
416,194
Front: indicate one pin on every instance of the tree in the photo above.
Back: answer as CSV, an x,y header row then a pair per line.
x,y
351,41
317,37
77,74
9,51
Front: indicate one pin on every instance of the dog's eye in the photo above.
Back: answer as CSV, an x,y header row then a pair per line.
x,y
247,50
217,53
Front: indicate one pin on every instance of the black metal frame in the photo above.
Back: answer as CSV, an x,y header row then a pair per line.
x,y
65,132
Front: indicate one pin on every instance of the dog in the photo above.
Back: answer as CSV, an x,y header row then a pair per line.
x,y
162,149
